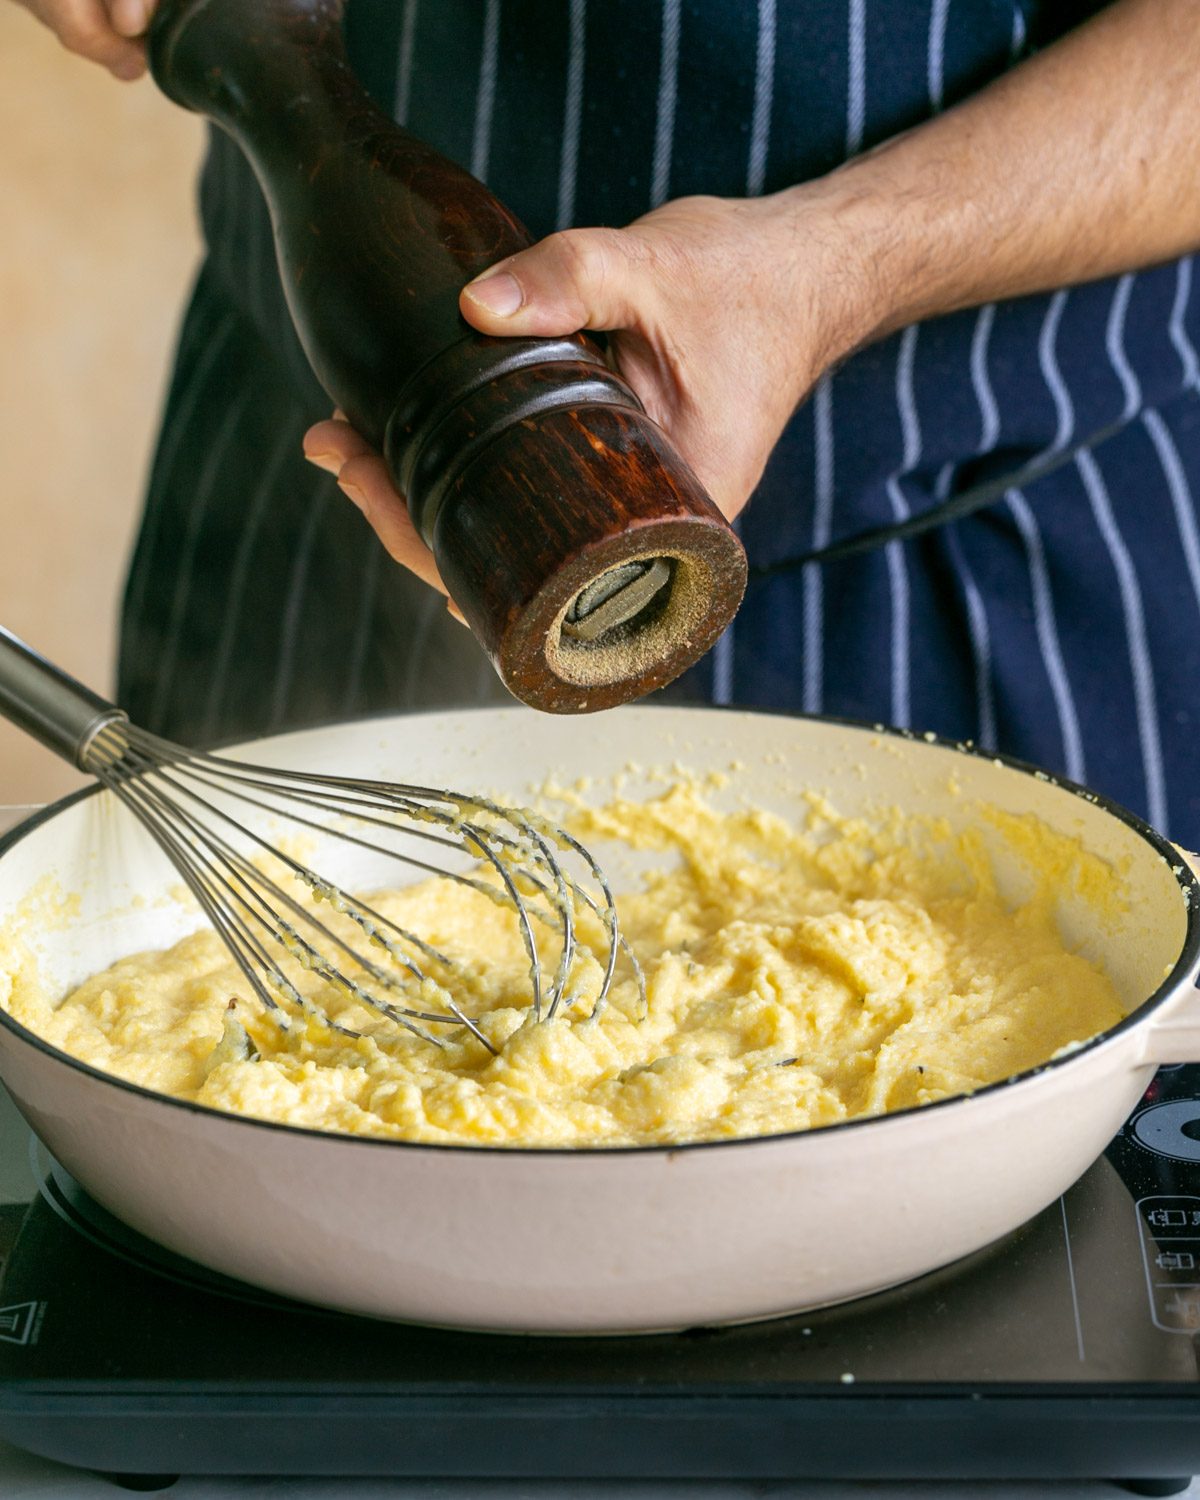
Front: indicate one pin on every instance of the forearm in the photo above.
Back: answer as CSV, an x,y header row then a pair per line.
x,y
723,312
1083,162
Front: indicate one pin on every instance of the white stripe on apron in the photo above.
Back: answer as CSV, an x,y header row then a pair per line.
x,y
404,63
856,78
664,120
1145,696
936,52
977,620
812,578
1046,625
165,667
1048,361
264,495
1181,495
989,412
1114,334
756,168
572,116
197,377
1175,328
813,582
897,564
981,650
485,95
296,591
764,94
372,571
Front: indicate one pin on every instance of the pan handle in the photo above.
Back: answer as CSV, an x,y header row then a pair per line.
x,y
1177,1040
43,701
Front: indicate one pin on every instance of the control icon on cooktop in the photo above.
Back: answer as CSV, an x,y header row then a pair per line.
x,y
1170,1129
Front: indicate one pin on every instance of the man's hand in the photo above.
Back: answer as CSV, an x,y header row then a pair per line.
x,y
721,314
1081,163
105,31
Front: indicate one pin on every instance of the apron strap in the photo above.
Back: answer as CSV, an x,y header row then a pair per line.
x,y
977,497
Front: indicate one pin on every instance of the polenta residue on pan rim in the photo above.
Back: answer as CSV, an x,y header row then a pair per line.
x,y
796,977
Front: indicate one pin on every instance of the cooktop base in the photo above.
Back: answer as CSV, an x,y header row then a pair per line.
x,y
1067,1350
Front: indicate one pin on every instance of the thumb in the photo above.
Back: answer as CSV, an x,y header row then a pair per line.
x,y
130,17
578,278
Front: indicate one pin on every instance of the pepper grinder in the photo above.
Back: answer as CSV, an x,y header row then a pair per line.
x,y
582,550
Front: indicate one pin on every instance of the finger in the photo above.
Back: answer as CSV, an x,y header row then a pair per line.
x,y
129,18
333,443
579,278
84,27
365,481
331,446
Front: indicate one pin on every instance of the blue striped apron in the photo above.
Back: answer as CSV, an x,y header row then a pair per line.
x,y
1060,622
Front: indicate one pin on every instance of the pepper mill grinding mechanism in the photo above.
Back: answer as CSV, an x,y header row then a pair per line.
x,y
584,553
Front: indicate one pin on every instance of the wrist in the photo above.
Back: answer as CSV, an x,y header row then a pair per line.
x,y
837,293
876,249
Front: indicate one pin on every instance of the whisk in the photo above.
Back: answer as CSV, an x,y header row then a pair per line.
x,y
193,803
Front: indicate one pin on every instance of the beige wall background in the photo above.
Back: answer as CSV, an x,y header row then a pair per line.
x,y
96,255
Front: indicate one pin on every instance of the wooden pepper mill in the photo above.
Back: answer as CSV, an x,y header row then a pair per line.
x,y
583,551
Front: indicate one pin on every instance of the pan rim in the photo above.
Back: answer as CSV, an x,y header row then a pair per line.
x,y
1187,960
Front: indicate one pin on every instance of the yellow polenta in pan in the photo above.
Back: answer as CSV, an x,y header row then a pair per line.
x,y
795,976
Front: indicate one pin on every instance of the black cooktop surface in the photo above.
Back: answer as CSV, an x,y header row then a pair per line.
x,y
1067,1349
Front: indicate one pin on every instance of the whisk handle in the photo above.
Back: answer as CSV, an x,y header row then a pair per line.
x,y
43,701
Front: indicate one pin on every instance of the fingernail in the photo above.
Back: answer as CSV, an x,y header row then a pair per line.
x,y
130,17
498,291
128,71
330,462
354,493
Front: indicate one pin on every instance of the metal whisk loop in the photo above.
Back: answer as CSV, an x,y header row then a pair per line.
x,y
560,902
353,796
382,797
250,957
183,801
244,885
369,921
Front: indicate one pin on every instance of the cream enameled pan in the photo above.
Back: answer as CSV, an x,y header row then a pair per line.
x,y
601,1240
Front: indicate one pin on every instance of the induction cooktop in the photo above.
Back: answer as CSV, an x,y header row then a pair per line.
x,y
1068,1349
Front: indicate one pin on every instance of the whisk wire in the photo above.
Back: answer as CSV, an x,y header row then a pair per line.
x,y
245,890
399,797
178,797
472,835
193,875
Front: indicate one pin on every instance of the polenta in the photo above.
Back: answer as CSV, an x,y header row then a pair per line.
x,y
794,977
